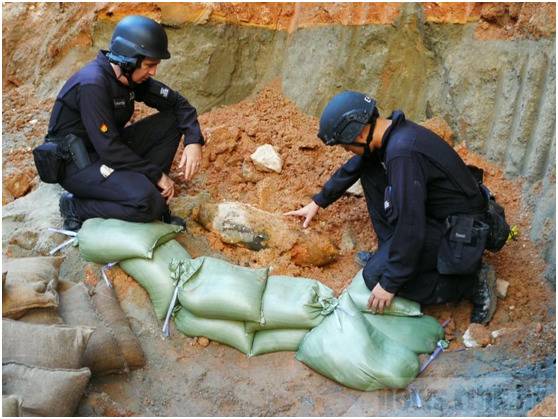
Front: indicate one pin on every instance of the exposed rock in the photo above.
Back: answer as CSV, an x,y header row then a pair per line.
x,y
26,221
476,336
440,127
18,184
266,158
538,328
243,225
546,408
502,288
203,342
356,189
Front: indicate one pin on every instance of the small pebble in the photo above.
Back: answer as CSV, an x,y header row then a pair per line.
x,y
538,328
203,341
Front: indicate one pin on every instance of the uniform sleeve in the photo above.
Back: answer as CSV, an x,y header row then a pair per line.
x,y
97,115
404,203
161,97
339,182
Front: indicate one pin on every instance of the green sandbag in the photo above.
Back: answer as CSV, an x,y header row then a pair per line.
x,y
399,306
154,275
266,341
293,303
229,332
110,240
345,348
419,334
216,289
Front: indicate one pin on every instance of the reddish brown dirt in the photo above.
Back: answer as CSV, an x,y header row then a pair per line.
x,y
546,408
270,118
497,20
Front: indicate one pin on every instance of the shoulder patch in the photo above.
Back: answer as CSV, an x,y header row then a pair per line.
x,y
164,92
103,128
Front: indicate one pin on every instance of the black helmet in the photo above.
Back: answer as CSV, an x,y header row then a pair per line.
x,y
136,37
345,116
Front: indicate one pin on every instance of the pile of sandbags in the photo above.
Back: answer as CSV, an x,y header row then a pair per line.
x,y
247,309
256,313
63,333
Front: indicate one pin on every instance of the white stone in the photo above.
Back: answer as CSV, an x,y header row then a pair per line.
x,y
265,157
502,288
356,189
469,341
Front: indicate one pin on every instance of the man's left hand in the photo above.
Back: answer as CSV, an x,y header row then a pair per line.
x,y
379,299
191,160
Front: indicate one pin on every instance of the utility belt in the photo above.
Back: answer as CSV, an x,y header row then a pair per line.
x,y
52,156
466,236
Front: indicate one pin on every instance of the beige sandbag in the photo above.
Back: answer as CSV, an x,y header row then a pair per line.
x,y
47,316
112,347
30,283
44,346
45,391
11,406
107,305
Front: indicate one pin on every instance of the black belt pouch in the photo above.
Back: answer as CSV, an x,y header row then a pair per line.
x,y
462,245
50,160
52,156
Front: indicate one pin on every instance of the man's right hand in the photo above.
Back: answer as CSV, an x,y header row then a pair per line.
x,y
308,212
166,185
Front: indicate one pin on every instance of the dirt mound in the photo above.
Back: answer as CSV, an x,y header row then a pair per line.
x,y
269,118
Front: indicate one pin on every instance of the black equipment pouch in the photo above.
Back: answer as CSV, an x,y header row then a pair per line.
x,y
77,151
499,228
495,217
50,161
462,245
51,157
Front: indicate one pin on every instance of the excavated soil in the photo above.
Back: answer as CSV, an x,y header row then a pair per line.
x,y
233,133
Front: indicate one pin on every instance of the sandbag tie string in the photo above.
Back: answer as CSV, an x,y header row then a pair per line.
x,y
104,270
180,273
328,305
72,240
441,345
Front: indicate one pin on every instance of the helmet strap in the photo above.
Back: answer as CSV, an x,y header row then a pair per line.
x,y
373,118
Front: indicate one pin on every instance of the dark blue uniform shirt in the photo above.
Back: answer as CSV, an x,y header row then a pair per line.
x,y
415,180
95,106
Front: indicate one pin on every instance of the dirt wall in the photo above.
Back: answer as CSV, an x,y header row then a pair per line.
x,y
487,68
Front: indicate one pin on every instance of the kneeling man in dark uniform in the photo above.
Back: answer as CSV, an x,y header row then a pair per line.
x,y
114,170
430,213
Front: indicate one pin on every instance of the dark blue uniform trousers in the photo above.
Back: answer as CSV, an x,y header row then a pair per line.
x,y
125,194
428,286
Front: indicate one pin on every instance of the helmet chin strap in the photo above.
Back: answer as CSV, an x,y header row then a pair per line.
x,y
131,82
367,151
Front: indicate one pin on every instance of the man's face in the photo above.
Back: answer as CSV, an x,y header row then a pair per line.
x,y
147,69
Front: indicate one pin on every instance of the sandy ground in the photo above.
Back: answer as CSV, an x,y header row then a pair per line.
x,y
182,378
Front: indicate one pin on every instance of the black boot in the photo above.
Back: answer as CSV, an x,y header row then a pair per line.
x,y
362,258
484,295
67,208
